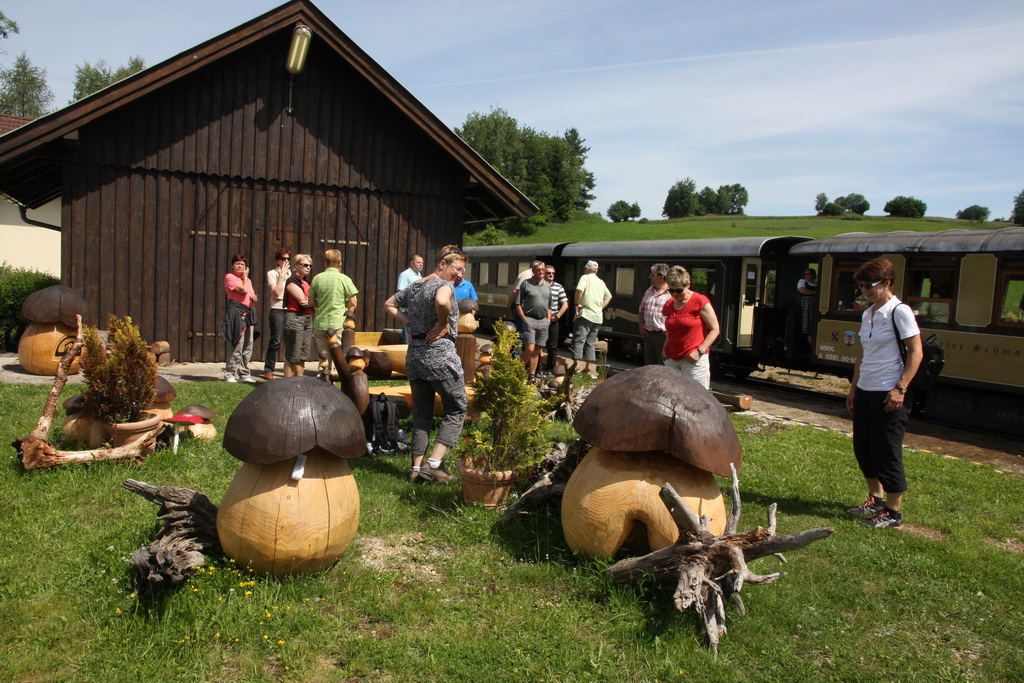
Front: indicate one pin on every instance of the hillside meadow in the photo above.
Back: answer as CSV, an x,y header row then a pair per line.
x,y
435,590
591,227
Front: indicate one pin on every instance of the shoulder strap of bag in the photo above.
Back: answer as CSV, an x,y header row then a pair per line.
x,y
899,337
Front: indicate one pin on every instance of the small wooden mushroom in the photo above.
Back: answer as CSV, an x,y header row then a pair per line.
x,y
465,343
80,424
467,316
165,393
204,430
649,426
52,332
293,507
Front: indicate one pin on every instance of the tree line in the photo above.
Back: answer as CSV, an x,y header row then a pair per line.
x,y
23,88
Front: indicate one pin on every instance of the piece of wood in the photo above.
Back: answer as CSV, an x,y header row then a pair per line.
x,y
391,363
465,347
187,537
38,453
729,398
703,570
159,347
611,492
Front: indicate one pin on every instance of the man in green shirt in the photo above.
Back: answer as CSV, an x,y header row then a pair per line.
x,y
333,295
592,296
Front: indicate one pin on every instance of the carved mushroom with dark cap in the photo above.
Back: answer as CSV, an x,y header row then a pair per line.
x,y
165,393
648,426
293,507
80,424
53,329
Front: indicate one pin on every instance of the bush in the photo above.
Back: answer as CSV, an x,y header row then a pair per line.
x,y
831,209
122,384
973,213
15,286
905,207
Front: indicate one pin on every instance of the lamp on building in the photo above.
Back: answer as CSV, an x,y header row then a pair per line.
x,y
301,36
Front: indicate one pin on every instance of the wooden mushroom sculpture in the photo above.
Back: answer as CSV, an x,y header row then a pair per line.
x,y
484,360
293,507
52,330
80,424
648,426
465,343
165,393
204,429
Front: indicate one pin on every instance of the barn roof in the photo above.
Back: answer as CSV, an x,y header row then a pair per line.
x,y
30,155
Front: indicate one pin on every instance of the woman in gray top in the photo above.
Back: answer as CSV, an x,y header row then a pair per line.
x,y
431,363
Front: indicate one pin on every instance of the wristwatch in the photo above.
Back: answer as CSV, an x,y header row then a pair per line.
x,y
901,389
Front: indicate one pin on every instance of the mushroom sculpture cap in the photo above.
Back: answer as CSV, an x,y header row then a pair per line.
x,y
467,306
657,408
284,418
54,304
198,411
165,392
75,404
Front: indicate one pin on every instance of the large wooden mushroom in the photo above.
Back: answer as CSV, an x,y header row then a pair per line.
x,y
293,507
465,343
648,426
52,312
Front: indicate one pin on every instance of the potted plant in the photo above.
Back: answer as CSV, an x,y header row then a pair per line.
x,y
121,383
506,433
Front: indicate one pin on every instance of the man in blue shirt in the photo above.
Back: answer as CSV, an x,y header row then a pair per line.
x,y
464,289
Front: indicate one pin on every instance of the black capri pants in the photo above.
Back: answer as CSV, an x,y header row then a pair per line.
x,y
878,439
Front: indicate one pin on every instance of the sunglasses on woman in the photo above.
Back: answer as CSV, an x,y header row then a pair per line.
x,y
672,290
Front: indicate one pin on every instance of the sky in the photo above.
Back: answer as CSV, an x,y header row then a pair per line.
x,y
789,98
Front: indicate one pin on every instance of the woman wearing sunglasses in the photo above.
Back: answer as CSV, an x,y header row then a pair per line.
x,y
878,398
298,321
691,327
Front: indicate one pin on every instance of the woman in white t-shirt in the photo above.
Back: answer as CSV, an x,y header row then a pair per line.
x,y
878,398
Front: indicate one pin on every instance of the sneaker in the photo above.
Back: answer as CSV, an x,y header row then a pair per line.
x,y
268,375
871,506
232,380
438,474
886,519
414,476
248,380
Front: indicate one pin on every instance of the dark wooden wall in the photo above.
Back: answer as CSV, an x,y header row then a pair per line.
x,y
160,193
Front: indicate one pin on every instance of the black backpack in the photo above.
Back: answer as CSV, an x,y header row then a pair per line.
x,y
932,362
381,422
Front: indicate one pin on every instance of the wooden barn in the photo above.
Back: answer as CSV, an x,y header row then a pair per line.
x,y
163,176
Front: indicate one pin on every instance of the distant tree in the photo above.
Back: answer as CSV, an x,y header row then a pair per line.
x,y
732,199
491,235
23,89
682,200
90,78
831,209
854,203
7,27
623,211
819,202
905,207
586,178
708,199
1017,217
973,213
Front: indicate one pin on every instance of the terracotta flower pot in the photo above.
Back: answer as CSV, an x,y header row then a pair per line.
x,y
489,489
129,432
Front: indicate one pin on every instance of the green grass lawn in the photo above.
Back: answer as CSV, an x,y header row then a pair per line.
x,y
587,227
433,590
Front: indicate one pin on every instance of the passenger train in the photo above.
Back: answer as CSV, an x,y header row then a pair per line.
x,y
966,287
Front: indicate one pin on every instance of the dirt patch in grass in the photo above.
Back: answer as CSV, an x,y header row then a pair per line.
x,y
1012,544
925,532
404,554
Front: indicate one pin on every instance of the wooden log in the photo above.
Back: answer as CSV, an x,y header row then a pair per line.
x,y
163,359
729,398
159,347
385,360
465,346
37,453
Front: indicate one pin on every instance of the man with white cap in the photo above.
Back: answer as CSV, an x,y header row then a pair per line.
x,y
592,297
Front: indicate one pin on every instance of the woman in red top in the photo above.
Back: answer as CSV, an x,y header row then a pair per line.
x,y
691,327
298,317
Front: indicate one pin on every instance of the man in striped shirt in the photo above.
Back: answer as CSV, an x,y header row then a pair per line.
x,y
559,305
652,320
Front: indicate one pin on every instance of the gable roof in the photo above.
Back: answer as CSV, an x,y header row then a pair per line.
x,y
9,123
30,156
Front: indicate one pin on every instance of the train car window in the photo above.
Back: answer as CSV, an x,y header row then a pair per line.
x,y
930,287
503,279
485,274
468,274
625,278
1011,304
750,285
771,276
520,267
703,280
846,295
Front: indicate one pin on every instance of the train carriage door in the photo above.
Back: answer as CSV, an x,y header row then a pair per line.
x,y
750,297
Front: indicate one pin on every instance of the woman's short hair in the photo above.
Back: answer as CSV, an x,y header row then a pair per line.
x,y
332,257
238,257
677,275
299,258
874,270
450,253
282,253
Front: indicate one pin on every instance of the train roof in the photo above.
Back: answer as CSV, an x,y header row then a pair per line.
x,y
691,248
906,241
507,250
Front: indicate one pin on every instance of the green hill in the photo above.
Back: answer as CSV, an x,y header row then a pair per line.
x,y
590,227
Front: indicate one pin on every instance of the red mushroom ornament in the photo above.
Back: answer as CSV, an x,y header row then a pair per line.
x,y
647,426
293,507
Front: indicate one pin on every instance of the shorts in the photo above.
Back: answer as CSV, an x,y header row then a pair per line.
x,y
535,331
